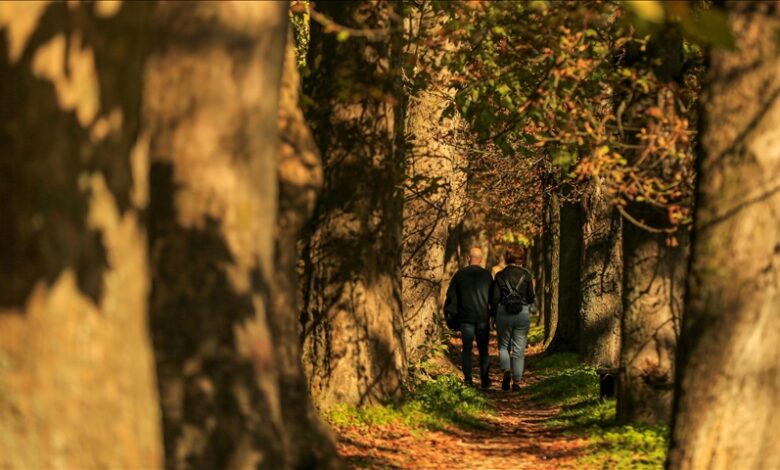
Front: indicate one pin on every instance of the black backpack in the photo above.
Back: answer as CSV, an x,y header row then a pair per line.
x,y
514,301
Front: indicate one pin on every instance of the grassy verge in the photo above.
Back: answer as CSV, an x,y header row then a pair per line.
x,y
426,404
574,387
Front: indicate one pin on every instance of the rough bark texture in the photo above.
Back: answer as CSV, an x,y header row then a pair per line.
x,y
601,280
551,247
310,443
727,403
460,229
211,104
567,331
77,386
430,165
352,318
653,288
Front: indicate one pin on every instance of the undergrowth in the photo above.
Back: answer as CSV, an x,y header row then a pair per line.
x,y
536,334
427,403
574,387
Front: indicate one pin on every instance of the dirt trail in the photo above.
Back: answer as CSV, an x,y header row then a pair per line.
x,y
515,438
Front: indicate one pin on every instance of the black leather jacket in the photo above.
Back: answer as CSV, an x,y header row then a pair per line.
x,y
511,275
467,295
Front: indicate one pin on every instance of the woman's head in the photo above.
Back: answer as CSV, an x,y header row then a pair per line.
x,y
514,255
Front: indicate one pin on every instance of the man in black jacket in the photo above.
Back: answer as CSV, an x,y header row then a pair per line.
x,y
468,303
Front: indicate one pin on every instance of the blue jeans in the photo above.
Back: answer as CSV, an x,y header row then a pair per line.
x,y
512,332
480,331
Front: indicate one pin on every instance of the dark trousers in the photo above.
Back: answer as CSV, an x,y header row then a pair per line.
x,y
480,331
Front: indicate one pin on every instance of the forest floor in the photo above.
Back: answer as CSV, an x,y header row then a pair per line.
x,y
555,421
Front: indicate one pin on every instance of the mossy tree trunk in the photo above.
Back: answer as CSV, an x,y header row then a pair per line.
x,y
211,103
77,386
352,318
728,386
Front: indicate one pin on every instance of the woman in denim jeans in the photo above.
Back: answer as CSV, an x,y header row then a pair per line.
x,y
511,296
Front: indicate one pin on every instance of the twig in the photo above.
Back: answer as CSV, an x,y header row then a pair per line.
x,y
641,224
375,34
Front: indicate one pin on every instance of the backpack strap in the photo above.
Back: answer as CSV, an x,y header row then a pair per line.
x,y
515,289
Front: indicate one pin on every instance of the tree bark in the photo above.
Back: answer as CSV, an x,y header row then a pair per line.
x,y
601,280
310,443
728,386
653,288
77,386
537,255
429,162
567,332
353,323
551,246
211,103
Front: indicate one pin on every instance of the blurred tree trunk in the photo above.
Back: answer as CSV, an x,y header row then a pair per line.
x,y
211,103
567,331
77,387
352,319
551,246
728,385
311,444
537,263
653,288
601,280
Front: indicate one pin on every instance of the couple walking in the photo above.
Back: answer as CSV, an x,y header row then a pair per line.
x,y
475,301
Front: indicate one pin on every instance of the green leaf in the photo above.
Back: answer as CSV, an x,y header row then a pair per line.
x,y
342,36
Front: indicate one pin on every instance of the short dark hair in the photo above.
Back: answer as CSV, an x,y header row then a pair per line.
x,y
514,254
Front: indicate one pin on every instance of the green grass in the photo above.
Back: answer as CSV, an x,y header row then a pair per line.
x,y
536,334
574,387
426,404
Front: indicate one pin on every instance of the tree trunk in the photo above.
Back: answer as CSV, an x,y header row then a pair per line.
x,y
211,104
311,444
77,387
353,323
727,402
653,287
567,332
429,163
537,255
601,280
551,242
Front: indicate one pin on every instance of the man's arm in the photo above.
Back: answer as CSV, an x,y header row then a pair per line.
x,y
451,301
530,290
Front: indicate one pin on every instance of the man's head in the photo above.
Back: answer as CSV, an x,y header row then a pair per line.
x,y
475,255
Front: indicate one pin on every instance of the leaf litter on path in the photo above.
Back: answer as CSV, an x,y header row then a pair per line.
x,y
514,437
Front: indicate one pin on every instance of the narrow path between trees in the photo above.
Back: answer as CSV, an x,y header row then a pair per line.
x,y
513,437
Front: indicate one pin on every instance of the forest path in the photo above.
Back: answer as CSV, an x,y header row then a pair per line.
x,y
515,437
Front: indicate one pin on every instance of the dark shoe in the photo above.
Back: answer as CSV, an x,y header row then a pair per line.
x,y
505,381
515,387
485,384
469,383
